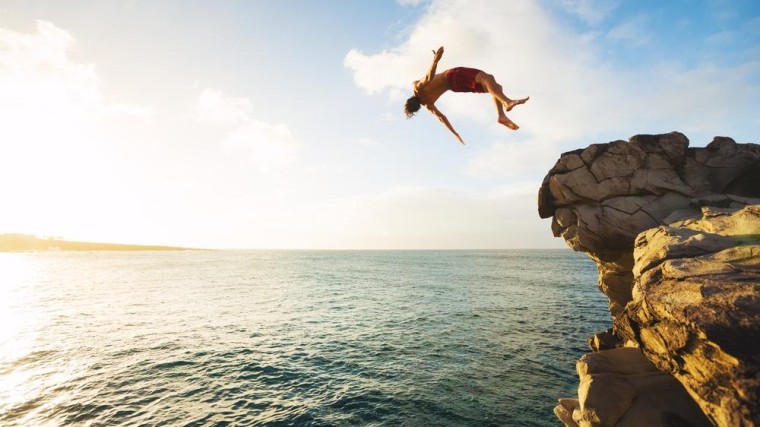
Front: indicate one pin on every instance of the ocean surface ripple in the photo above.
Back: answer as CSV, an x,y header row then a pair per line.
x,y
318,338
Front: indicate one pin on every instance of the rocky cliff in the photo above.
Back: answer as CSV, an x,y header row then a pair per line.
x,y
675,232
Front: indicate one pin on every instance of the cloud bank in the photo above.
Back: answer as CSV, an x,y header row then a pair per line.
x,y
271,147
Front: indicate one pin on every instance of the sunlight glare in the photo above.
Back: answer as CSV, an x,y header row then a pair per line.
x,y
17,275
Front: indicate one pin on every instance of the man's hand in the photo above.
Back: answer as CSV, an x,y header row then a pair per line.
x,y
439,53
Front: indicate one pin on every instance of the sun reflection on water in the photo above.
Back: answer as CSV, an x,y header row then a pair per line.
x,y
18,326
17,278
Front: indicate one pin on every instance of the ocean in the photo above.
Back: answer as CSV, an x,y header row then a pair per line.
x,y
313,338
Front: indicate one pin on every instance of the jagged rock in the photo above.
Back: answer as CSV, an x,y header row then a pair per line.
x,y
567,410
620,387
603,196
604,340
696,309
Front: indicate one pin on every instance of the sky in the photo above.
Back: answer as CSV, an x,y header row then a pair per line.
x,y
279,124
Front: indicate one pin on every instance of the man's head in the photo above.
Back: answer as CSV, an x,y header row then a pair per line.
x,y
412,106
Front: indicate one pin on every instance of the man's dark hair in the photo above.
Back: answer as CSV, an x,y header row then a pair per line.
x,y
412,106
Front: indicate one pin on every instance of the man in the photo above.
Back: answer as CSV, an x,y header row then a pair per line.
x,y
460,79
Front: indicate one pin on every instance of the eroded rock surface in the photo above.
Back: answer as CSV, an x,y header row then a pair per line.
x,y
620,387
689,294
696,309
600,198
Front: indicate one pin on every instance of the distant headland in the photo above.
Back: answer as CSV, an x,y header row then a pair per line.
x,y
24,242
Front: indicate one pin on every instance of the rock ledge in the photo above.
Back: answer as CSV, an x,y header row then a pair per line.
x,y
675,233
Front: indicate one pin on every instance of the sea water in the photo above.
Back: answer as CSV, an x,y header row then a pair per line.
x,y
323,338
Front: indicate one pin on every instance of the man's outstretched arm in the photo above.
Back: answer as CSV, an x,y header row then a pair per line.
x,y
436,112
436,57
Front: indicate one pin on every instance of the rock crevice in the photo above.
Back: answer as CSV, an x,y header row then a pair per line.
x,y
675,233
644,181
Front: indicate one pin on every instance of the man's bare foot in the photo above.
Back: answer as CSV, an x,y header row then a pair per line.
x,y
508,123
511,105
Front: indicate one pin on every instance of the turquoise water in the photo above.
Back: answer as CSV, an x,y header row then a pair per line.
x,y
417,338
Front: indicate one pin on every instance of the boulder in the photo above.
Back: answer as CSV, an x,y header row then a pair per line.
x,y
604,340
620,387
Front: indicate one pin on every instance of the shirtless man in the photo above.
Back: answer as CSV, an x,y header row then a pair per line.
x,y
460,79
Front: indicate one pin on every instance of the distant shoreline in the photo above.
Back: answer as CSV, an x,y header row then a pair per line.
x,y
23,242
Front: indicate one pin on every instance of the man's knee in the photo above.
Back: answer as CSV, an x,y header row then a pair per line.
x,y
487,77
489,80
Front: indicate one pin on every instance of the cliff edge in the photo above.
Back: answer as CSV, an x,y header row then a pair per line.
x,y
675,233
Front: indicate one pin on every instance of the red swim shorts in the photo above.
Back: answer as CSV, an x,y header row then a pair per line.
x,y
462,79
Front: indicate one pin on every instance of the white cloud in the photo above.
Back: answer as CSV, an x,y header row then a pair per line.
x,y
512,158
591,11
633,31
378,72
213,107
272,147
49,101
53,139
38,77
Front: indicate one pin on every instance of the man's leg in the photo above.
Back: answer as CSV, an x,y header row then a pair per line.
x,y
503,119
495,89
